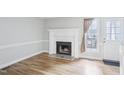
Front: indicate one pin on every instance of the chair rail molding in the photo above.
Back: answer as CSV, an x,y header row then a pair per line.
x,y
22,44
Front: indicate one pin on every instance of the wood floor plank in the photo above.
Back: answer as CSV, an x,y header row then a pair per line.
x,y
43,64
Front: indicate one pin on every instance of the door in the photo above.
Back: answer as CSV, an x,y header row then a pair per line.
x,y
112,28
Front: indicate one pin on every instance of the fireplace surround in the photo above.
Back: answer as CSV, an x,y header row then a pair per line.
x,y
64,35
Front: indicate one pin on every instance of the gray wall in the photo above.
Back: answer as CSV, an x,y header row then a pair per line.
x,y
19,38
17,30
22,37
62,22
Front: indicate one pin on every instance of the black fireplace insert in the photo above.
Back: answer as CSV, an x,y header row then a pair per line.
x,y
63,48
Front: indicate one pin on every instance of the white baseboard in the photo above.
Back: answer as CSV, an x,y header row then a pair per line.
x,y
16,61
92,58
45,51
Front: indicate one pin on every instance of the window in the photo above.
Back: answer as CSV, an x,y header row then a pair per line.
x,y
91,36
112,30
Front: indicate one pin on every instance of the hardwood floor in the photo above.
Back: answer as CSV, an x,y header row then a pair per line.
x,y
43,64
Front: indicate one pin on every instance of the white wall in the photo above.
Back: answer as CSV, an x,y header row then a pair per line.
x,y
63,22
122,60
20,38
122,54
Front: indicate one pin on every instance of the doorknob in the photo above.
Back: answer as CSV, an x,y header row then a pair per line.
x,y
104,40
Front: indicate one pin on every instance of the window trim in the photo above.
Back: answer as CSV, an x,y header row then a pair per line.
x,y
97,38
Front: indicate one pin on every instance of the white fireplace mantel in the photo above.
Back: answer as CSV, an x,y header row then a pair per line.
x,y
64,35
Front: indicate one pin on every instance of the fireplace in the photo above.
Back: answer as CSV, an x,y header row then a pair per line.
x,y
70,35
63,48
